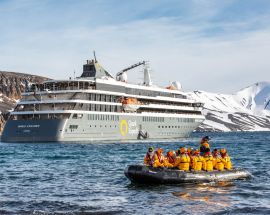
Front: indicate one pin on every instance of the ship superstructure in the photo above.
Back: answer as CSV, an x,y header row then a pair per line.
x,y
97,106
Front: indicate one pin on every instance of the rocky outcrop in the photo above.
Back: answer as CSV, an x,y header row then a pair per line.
x,y
12,85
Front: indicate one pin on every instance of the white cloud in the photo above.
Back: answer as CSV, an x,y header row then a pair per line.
x,y
220,57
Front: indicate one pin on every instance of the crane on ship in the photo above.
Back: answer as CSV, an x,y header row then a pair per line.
x,y
121,76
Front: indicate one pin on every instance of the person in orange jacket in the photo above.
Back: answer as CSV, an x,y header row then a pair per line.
x,y
148,157
183,160
208,161
218,161
204,144
158,159
197,161
226,158
170,159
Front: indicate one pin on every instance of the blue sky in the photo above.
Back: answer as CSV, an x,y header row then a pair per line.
x,y
218,46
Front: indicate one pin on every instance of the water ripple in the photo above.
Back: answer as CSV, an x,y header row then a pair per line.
x,y
82,178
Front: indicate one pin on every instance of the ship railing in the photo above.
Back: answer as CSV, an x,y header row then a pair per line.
x,y
49,88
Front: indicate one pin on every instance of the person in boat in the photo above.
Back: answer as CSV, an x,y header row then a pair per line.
x,y
214,153
177,153
204,144
191,156
218,161
170,159
189,151
226,159
158,159
148,157
197,161
183,160
208,160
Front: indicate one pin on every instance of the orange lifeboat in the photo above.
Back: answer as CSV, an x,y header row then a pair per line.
x,y
130,104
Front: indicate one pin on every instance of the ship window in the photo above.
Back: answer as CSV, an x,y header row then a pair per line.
x,y
93,107
102,108
75,116
92,97
73,126
97,107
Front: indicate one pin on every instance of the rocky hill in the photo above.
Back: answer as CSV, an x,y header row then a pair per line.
x,y
12,84
246,110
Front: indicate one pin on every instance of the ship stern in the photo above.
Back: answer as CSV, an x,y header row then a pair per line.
x,y
50,130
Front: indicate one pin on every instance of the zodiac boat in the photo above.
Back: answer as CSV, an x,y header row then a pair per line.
x,y
150,175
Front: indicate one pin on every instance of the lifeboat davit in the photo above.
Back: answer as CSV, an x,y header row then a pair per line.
x,y
150,175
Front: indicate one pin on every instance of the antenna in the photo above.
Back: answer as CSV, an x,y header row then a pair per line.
x,y
95,56
74,74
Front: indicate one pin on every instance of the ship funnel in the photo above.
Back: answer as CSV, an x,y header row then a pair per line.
x,y
147,78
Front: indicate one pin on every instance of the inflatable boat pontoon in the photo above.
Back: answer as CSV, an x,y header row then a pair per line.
x,y
150,175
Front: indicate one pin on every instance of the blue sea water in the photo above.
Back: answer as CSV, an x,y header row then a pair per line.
x,y
78,178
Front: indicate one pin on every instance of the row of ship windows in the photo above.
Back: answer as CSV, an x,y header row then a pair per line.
x,y
176,126
116,118
161,119
97,117
103,117
72,127
114,126
102,108
153,119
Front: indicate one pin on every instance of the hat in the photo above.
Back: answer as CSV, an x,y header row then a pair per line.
x,y
150,149
159,150
223,151
206,138
183,150
170,153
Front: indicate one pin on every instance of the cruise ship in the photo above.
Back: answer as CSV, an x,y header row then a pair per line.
x,y
98,107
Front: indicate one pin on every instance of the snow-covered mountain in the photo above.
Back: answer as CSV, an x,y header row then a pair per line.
x,y
246,110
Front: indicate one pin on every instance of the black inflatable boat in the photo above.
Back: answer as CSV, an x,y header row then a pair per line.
x,y
149,175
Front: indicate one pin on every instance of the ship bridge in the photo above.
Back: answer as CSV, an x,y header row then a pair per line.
x,y
92,69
